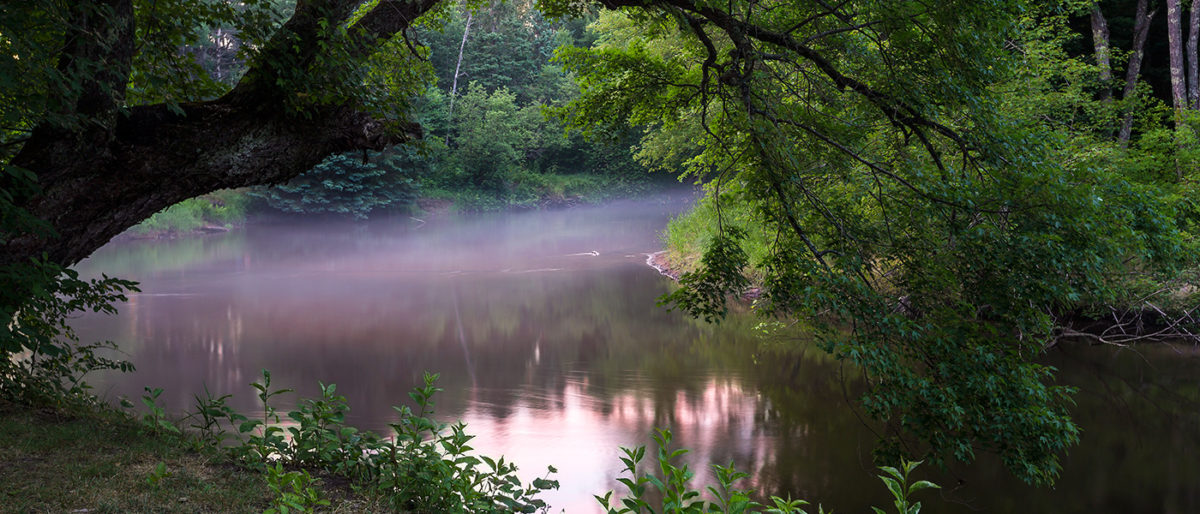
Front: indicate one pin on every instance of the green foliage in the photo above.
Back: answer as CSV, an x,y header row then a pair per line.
x,y
210,417
352,184
197,49
265,438
426,466
221,209
489,136
41,358
667,489
495,148
157,474
182,46
897,482
702,292
508,46
294,491
155,417
935,249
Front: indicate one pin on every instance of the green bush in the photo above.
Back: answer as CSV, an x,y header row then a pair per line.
x,y
427,466
42,361
351,184
669,490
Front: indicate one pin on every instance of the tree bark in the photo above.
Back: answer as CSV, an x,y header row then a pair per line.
x,y
1102,50
1192,61
1175,40
126,164
1178,85
1141,28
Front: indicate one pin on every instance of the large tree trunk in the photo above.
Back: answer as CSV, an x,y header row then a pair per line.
x,y
1141,28
1192,61
1178,86
1101,45
158,158
1175,40
126,164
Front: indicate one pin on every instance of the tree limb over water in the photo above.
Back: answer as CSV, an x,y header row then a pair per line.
x,y
124,163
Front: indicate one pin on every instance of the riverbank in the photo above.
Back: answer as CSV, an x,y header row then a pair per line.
x,y
58,461
104,460
673,269
1167,313
231,209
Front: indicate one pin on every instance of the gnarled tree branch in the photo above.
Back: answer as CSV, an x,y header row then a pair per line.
x,y
131,162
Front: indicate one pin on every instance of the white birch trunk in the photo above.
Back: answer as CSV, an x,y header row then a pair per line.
x,y
458,66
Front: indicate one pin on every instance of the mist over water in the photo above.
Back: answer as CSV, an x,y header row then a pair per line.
x,y
544,328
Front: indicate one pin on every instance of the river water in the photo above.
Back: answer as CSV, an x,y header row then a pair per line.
x,y
544,329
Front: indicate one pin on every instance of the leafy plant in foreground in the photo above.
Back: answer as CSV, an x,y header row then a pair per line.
x,y
269,441
901,490
293,491
669,490
210,417
155,418
155,476
427,466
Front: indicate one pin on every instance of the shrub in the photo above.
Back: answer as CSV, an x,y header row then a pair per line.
x,y
350,184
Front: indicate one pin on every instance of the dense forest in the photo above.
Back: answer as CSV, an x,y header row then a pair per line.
x,y
489,84
941,191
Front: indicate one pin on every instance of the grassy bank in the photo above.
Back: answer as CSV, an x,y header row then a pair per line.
x,y
528,190
103,460
217,211
56,461
227,209
688,234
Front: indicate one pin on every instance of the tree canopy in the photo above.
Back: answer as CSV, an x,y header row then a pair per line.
x,y
902,200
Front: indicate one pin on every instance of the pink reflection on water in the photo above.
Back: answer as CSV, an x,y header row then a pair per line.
x,y
580,433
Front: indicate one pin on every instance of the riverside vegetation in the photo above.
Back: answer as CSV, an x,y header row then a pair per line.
x,y
941,189
490,144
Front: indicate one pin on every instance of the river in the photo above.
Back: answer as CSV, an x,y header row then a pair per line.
x,y
544,329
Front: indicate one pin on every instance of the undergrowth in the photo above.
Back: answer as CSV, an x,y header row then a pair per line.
x,y
429,466
222,209
531,190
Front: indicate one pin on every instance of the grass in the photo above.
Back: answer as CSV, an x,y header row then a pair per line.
x,y
104,461
221,208
55,461
689,234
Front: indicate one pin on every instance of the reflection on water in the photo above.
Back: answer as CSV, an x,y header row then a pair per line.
x,y
544,328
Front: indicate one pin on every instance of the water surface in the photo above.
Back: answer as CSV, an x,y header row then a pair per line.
x,y
544,328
